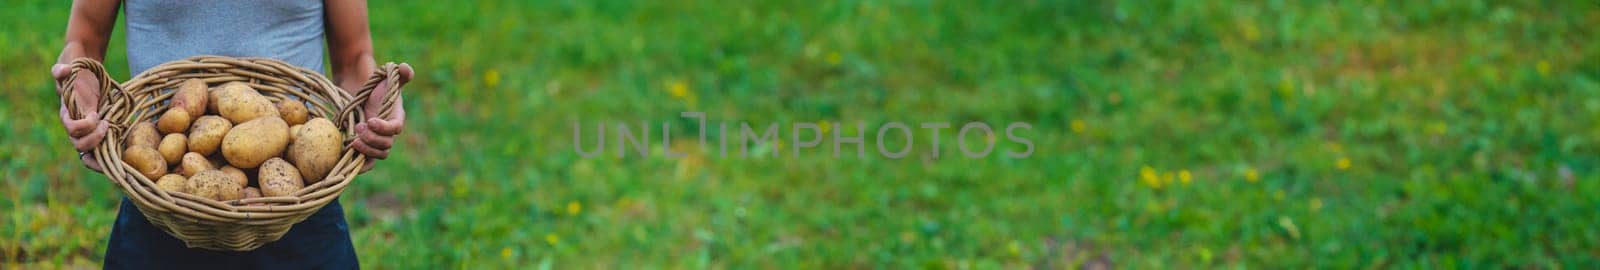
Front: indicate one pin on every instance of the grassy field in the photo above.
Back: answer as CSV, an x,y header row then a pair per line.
x,y
1278,134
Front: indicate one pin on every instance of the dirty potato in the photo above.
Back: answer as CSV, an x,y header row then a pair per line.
x,y
278,178
191,97
194,163
239,177
239,103
251,143
293,111
174,121
316,149
206,134
214,184
146,160
173,183
144,133
173,146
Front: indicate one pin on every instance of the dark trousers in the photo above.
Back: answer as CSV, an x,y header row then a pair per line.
x,y
322,241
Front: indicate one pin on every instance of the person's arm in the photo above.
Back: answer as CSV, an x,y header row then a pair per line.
x,y
88,31
349,43
350,46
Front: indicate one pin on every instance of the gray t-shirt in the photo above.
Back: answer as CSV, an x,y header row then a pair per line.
x,y
159,31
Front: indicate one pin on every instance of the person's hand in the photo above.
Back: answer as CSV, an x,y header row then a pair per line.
x,y
375,136
86,133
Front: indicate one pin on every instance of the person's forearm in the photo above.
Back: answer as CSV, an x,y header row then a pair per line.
x,y
76,49
349,43
88,30
351,71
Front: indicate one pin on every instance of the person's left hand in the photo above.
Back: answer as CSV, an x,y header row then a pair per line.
x,y
375,136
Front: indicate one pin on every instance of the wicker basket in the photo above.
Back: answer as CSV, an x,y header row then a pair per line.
x,y
232,225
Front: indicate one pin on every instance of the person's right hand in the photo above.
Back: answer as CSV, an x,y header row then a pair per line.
x,y
86,133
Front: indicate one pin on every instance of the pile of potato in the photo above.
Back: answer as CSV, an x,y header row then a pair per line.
x,y
230,142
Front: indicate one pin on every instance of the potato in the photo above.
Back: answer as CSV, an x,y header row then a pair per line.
x,y
239,103
251,143
278,178
173,146
194,163
174,121
316,149
215,185
173,183
191,97
144,133
293,131
211,100
239,177
251,193
146,160
206,134
293,111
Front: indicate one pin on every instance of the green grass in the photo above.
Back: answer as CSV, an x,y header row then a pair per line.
x,y
1466,131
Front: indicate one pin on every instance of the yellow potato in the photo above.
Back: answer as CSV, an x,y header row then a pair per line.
x,y
215,185
173,121
211,100
293,111
278,178
173,146
173,183
294,132
251,143
316,149
206,134
251,193
191,97
239,103
146,160
239,177
194,163
144,133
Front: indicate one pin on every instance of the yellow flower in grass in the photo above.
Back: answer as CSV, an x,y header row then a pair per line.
x,y
1078,126
1251,175
491,78
1543,68
678,89
505,252
1343,163
834,58
1149,177
574,207
1184,177
552,239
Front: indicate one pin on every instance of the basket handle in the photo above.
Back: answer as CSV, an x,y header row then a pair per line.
x,y
68,97
389,71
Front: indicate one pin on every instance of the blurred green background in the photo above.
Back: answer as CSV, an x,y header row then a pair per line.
x,y
1284,134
